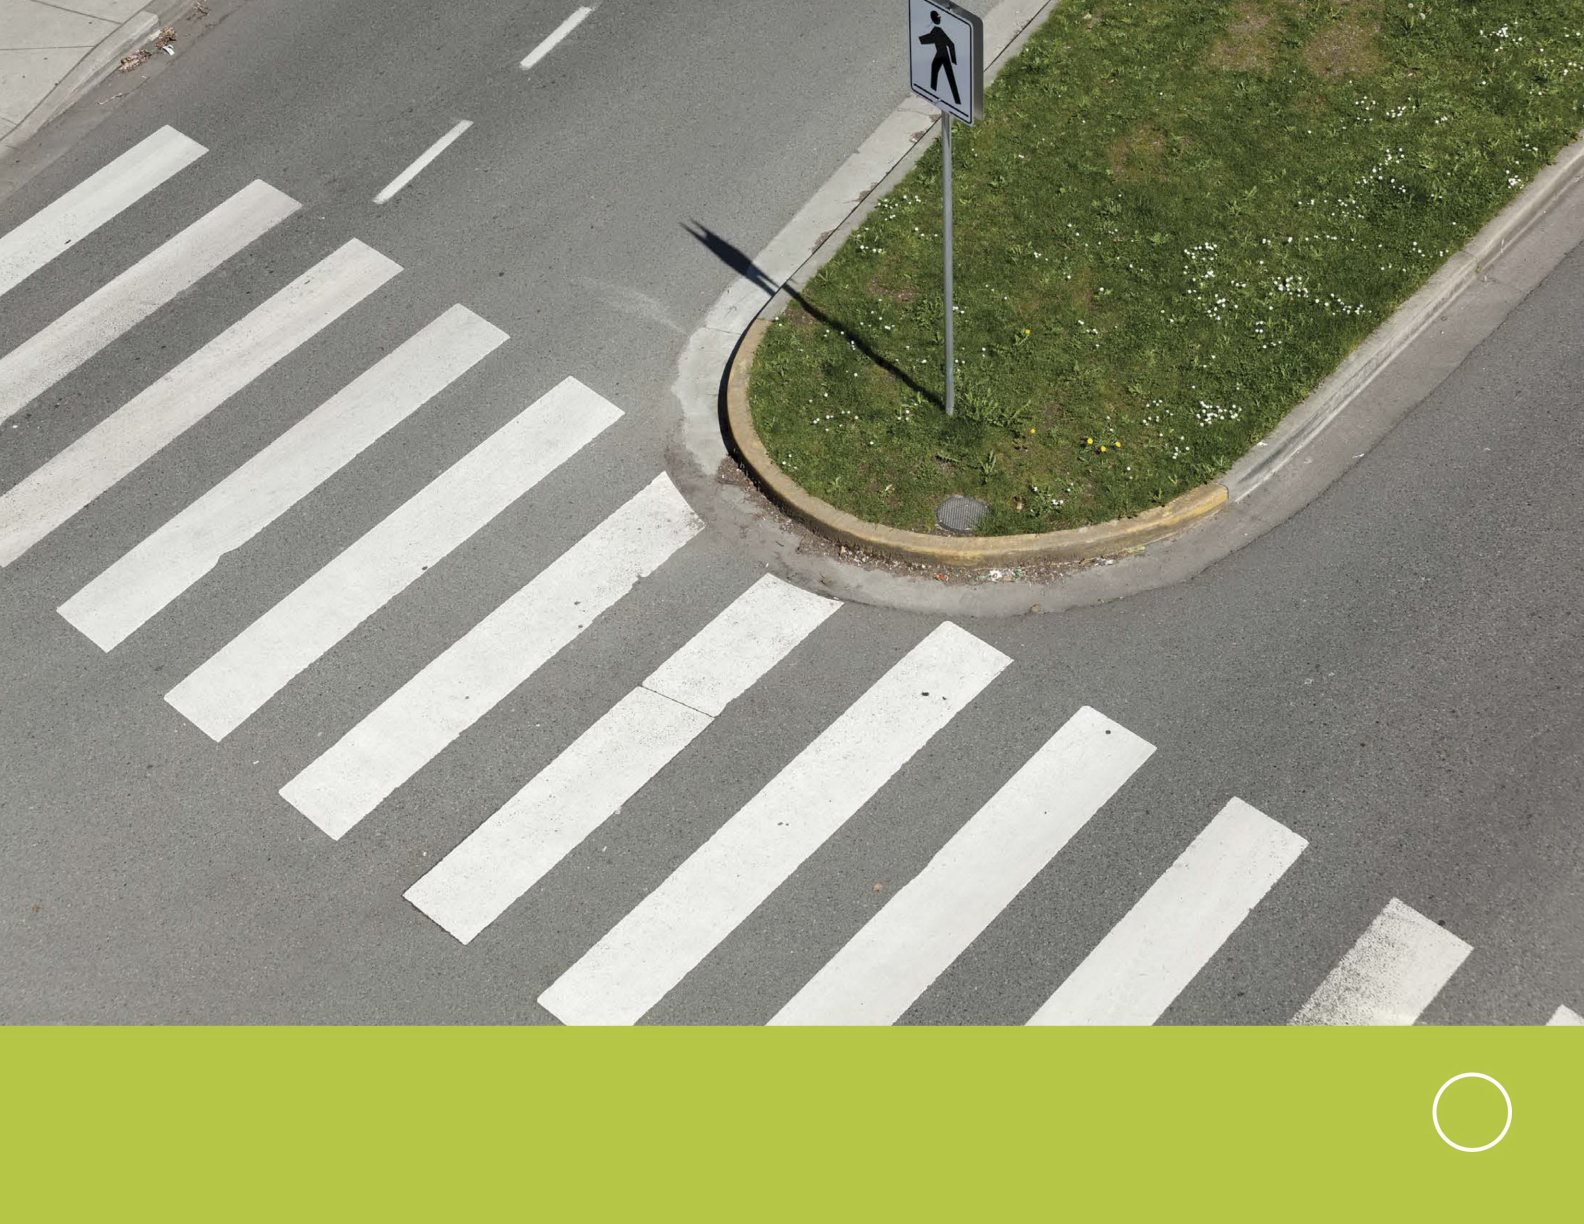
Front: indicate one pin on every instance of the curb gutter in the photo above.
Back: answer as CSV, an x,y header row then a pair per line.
x,y
95,66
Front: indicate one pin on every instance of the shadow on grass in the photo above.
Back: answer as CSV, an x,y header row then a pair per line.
x,y
740,263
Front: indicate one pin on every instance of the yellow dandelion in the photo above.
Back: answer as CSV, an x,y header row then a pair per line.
x,y
1088,441
1102,450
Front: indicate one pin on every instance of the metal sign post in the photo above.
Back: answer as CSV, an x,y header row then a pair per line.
x,y
951,347
946,67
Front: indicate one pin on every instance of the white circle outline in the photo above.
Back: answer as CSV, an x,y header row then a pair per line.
x,y
1435,1107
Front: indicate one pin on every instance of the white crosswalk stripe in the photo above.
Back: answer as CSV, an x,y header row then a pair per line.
x,y
1565,1016
1390,975
1135,973
100,197
609,763
477,672
149,422
108,313
935,916
187,547
660,941
244,674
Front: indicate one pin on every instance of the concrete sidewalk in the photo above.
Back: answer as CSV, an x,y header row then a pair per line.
x,y
50,53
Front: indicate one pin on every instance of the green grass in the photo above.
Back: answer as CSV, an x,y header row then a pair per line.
x,y
1177,217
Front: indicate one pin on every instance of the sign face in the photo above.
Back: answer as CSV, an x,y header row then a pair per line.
x,y
946,57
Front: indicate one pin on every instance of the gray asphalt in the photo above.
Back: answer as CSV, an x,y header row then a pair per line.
x,y
1393,672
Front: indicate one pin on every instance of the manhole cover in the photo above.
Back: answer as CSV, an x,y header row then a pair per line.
x,y
961,515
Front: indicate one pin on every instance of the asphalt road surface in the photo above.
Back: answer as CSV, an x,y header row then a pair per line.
x,y
362,661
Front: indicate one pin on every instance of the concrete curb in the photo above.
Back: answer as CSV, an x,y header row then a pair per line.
x,y
1359,369
95,66
1078,544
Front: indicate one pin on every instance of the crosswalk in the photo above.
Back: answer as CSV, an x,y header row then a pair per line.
x,y
155,280
1132,975
110,608
154,418
255,665
632,968
608,764
482,667
1391,974
933,919
99,198
1145,961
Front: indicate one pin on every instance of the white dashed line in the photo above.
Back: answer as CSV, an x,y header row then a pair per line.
x,y
556,35
413,171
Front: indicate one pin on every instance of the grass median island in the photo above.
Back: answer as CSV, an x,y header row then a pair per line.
x,y
1176,218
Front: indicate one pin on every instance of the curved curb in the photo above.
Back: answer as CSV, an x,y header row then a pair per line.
x,y
1076,544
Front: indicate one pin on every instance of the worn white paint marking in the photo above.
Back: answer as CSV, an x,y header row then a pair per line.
x,y
114,309
754,633
147,579
1162,943
932,920
150,421
1565,1015
413,171
235,682
1390,975
661,940
555,37
481,668
543,822
566,802
100,197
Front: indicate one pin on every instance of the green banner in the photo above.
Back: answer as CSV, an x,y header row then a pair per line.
x,y
743,1124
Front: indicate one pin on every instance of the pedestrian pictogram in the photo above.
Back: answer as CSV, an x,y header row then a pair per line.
x,y
946,57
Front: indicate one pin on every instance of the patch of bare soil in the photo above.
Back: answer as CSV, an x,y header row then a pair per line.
x,y
1138,156
1249,45
1349,45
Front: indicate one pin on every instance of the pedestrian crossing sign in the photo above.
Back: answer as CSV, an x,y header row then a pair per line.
x,y
946,57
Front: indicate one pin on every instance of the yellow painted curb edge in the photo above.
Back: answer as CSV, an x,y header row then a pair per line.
x,y
1076,544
